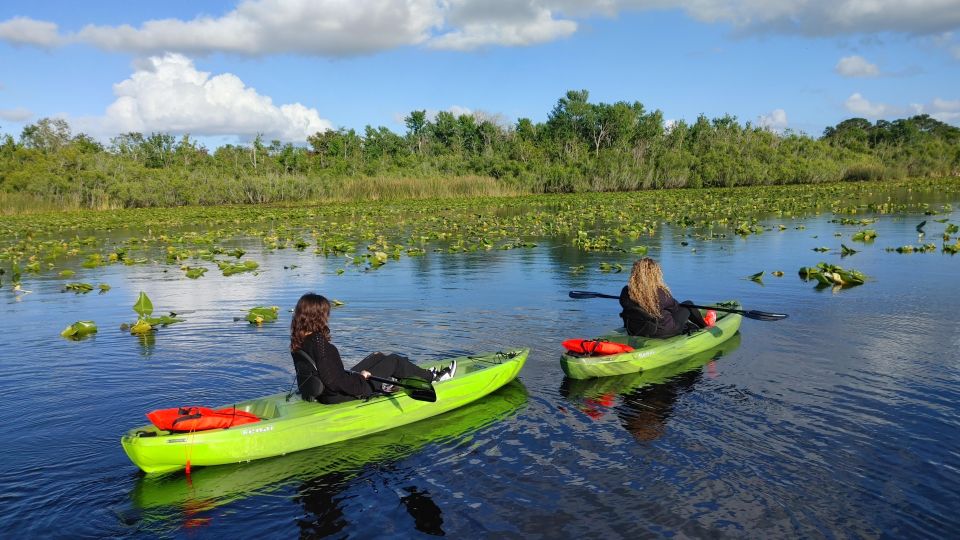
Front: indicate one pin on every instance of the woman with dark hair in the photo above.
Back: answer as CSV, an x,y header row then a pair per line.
x,y
310,333
649,308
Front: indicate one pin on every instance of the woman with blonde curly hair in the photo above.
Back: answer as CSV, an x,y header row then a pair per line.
x,y
310,334
649,309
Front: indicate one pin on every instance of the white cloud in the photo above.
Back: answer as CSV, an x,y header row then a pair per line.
x,y
258,27
484,27
861,106
338,28
776,120
856,66
18,114
168,94
27,31
944,110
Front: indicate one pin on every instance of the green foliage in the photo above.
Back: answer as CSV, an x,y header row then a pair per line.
x,y
79,330
260,314
582,146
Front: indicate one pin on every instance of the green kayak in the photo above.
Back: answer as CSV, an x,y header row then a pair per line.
x,y
650,353
289,426
155,496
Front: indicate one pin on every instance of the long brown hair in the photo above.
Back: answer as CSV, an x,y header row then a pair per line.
x,y
310,316
646,280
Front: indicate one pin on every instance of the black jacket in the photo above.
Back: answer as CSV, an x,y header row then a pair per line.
x,y
339,385
639,323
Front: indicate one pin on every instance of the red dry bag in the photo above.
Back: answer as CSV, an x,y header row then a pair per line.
x,y
595,346
199,418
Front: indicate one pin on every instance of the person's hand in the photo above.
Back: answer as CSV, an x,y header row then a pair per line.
x,y
365,374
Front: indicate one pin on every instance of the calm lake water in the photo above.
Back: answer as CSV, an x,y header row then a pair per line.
x,y
839,422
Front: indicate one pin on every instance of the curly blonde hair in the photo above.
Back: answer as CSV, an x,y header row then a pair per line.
x,y
311,315
646,280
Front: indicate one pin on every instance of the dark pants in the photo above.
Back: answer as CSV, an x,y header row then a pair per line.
x,y
391,365
693,314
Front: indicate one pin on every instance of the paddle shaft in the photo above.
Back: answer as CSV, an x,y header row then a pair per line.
x,y
393,382
751,314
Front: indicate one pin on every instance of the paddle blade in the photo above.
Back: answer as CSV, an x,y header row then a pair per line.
x,y
418,389
764,316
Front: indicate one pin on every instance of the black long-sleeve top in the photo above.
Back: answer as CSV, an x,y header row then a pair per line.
x,y
338,384
639,323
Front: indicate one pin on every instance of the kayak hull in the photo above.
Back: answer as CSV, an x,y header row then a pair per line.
x,y
290,426
650,353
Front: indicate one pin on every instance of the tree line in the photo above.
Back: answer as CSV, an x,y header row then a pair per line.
x,y
582,146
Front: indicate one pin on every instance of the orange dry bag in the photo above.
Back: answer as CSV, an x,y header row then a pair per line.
x,y
595,346
199,418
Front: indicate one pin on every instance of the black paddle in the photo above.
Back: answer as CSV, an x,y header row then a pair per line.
x,y
751,314
417,389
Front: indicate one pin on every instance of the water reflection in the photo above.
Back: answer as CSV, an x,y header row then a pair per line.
x,y
320,476
644,401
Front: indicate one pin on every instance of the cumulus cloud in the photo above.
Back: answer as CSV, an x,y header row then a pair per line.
x,y
168,94
499,22
343,28
775,120
27,31
856,66
18,114
941,109
861,106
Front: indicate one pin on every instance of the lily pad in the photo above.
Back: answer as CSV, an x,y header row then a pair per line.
x,y
79,330
79,288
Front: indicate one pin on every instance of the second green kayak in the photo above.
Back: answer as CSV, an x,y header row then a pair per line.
x,y
291,425
651,353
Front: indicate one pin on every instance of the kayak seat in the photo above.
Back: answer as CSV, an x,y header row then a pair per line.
x,y
309,384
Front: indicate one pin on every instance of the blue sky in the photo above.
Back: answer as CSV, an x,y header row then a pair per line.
x,y
290,68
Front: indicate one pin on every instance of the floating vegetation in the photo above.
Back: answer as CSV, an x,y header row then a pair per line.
x,y
745,229
79,330
143,307
230,269
866,235
777,273
611,267
952,249
261,314
594,222
828,275
758,277
914,249
79,288
846,251
599,243
821,249
853,221
194,272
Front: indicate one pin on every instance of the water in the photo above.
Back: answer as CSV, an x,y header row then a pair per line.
x,y
841,421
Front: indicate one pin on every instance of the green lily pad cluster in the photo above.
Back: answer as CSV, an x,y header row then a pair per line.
x,y
194,272
79,330
84,288
611,267
866,235
145,323
230,269
925,248
261,314
830,275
